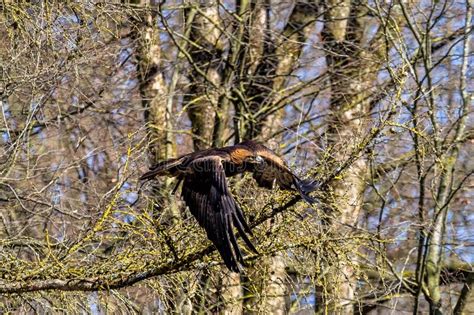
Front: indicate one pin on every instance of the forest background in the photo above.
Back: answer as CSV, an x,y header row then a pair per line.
x,y
373,99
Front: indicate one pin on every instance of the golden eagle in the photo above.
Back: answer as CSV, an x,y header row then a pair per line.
x,y
207,195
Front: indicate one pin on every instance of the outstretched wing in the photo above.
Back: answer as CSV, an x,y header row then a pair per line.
x,y
206,194
275,170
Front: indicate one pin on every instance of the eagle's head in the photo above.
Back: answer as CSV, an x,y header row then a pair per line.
x,y
256,160
244,156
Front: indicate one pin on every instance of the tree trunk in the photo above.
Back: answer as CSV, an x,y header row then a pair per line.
x,y
434,255
206,73
157,100
153,88
353,70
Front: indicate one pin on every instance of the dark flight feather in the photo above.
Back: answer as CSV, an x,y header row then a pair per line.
x,y
209,199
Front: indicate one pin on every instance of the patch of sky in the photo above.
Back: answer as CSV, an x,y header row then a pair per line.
x,y
124,217
95,161
73,136
61,233
160,306
94,302
74,100
123,159
460,232
402,229
56,194
172,18
304,295
312,41
90,160
128,196
390,207
128,68
403,116
83,197
279,15
456,54
37,131
118,116
6,137
6,109
228,5
383,75
441,113
460,247
60,29
466,254
312,61
101,158
305,301
54,167
464,251
312,70
408,45
370,30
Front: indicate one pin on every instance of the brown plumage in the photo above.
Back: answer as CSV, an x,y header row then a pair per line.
x,y
207,195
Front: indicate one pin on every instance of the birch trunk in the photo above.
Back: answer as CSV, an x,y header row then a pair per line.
x,y
353,71
434,255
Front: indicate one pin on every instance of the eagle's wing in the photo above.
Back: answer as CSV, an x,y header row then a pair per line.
x,y
274,169
206,194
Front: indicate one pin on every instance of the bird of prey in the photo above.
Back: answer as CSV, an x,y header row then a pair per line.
x,y
206,193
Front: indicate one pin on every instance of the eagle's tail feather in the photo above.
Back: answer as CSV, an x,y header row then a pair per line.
x,y
304,187
161,168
